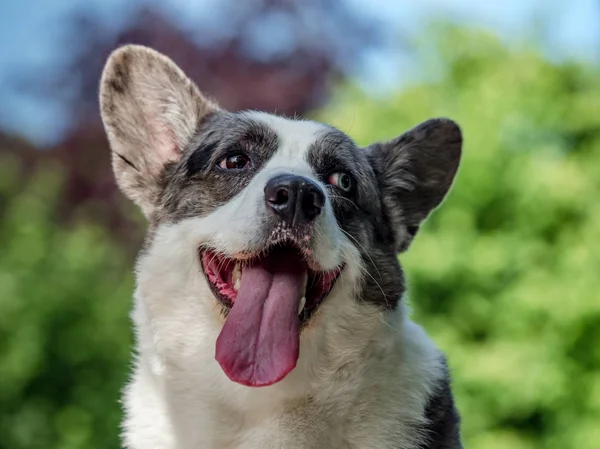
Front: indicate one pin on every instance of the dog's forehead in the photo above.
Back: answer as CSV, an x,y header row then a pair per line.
x,y
295,136
303,143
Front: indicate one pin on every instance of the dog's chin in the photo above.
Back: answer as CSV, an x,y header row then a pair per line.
x,y
224,276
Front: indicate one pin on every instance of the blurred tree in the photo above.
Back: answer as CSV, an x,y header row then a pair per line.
x,y
64,332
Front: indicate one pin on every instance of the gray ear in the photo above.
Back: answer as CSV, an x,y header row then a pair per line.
x,y
150,111
415,172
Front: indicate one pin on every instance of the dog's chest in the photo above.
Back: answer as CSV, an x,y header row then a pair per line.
x,y
288,430
299,429
310,423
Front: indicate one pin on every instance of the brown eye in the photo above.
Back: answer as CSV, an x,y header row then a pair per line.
x,y
341,180
235,162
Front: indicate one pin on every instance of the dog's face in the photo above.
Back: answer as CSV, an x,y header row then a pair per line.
x,y
270,218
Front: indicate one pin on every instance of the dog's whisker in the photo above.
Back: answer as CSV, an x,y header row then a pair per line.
x,y
365,252
340,197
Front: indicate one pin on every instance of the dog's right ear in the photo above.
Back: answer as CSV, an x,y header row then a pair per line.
x,y
415,172
150,111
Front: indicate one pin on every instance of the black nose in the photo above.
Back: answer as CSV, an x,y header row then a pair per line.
x,y
296,200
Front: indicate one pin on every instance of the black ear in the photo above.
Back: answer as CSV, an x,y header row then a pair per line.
x,y
415,172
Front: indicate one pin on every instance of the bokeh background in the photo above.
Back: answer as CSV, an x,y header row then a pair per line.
x,y
505,277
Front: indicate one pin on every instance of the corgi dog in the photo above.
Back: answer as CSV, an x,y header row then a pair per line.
x,y
270,307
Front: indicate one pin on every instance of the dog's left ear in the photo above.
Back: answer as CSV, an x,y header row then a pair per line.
x,y
415,172
150,110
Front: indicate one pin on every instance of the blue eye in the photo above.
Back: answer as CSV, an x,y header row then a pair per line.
x,y
341,180
235,162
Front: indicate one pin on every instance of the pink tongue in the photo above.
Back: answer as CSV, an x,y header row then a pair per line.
x,y
260,340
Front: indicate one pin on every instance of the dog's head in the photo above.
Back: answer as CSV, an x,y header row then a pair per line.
x,y
269,223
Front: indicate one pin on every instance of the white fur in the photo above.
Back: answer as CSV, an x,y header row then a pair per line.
x,y
363,376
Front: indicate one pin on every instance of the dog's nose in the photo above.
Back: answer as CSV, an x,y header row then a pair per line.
x,y
295,199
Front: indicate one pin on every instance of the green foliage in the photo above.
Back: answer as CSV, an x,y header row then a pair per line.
x,y
64,330
506,275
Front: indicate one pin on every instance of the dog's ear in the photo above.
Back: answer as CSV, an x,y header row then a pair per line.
x,y
150,111
415,172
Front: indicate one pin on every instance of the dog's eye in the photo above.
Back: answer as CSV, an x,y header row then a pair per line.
x,y
235,162
341,180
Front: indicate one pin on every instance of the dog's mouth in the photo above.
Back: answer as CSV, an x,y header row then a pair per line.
x,y
224,275
267,297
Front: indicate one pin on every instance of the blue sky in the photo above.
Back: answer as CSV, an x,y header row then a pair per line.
x,y
572,31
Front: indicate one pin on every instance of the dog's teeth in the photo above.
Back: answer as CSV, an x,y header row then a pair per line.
x,y
304,283
303,299
236,276
301,305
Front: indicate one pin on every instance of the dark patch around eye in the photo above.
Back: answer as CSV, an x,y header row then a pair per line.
x,y
329,164
259,141
200,159
332,152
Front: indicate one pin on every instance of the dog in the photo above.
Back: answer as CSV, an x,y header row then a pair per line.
x,y
270,306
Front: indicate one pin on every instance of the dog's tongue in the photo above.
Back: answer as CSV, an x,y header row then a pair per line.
x,y
260,340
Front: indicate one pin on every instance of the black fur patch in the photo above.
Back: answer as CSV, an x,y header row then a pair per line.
x,y
200,159
443,428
